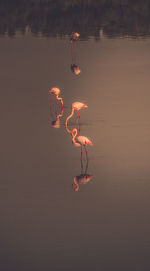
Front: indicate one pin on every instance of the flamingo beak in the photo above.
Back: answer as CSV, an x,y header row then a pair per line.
x,y
85,106
90,177
91,144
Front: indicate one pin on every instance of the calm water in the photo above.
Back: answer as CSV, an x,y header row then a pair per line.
x,y
45,224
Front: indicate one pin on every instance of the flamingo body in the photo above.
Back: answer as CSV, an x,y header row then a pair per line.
x,y
77,106
84,178
75,36
83,140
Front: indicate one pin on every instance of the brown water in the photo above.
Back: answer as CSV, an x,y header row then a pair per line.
x,y
45,225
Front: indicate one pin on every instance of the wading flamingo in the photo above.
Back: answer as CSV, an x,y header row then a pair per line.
x,y
83,178
80,140
56,91
75,106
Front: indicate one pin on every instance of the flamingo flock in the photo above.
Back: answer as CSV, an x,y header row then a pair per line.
x,y
77,139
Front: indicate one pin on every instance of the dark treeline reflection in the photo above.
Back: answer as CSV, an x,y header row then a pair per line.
x,y
57,17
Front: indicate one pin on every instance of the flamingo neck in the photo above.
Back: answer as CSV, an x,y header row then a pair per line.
x,y
74,135
68,119
76,184
60,115
60,99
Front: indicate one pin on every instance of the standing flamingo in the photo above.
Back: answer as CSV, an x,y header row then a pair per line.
x,y
56,91
75,106
80,140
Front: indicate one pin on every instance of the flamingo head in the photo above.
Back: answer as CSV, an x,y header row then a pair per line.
x,y
73,130
75,188
51,91
85,106
72,133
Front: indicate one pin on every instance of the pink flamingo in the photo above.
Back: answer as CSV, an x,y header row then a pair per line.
x,y
75,106
81,179
56,91
75,69
80,141
74,36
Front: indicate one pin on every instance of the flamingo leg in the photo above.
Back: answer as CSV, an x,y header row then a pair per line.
x,y
56,106
51,113
81,153
77,120
51,100
81,166
87,163
78,123
86,152
62,106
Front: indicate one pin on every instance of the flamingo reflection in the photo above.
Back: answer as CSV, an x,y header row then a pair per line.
x,y
74,67
55,119
80,141
76,106
56,91
83,178
56,122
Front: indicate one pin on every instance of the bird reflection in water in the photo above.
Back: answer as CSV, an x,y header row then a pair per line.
x,y
83,178
56,120
74,67
76,107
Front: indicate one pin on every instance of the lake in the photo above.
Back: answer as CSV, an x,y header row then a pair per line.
x,y
59,212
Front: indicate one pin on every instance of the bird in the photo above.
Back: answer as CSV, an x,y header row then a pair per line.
x,y
56,91
80,140
75,69
75,106
74,36
56,123
80,179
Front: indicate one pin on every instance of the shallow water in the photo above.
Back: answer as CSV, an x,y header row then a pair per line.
x,y
45,224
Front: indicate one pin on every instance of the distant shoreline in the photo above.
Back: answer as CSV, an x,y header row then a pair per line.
x,y
52,18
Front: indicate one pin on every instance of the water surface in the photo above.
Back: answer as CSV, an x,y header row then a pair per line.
x,y
45,224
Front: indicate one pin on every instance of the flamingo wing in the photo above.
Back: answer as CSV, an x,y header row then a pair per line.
x,y
84,140
78,105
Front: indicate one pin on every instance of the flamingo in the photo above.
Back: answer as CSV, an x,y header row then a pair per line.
x,y
75,36
56,91
75,106
81,179
80,141
75,69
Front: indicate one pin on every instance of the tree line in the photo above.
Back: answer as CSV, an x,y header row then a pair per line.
x,y
62,17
